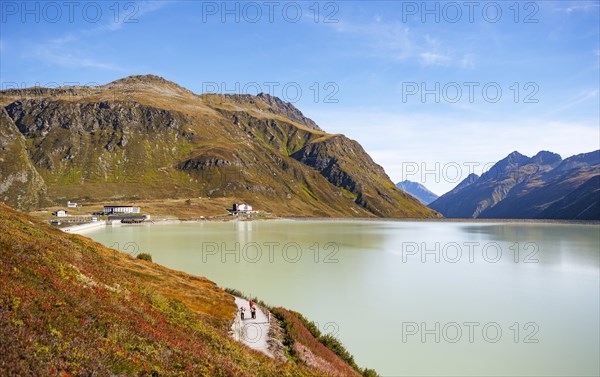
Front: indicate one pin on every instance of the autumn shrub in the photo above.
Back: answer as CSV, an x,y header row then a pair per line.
x,y
145,256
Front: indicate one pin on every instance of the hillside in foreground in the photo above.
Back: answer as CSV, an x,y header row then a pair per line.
x,y
143,138
70,306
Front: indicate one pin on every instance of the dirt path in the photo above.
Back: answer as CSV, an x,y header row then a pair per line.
x,y
252,332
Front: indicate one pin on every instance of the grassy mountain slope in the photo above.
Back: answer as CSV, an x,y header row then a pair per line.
x,y
70,306
144,137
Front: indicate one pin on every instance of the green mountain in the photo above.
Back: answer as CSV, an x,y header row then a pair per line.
x,y
143,137
541,187
72,307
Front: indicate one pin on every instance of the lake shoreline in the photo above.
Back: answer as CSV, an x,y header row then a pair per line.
x,y
168,221
392,219
448,220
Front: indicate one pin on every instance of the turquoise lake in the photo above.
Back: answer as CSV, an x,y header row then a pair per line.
x,y
409,298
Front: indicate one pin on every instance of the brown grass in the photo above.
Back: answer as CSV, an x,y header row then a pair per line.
x,y
70,306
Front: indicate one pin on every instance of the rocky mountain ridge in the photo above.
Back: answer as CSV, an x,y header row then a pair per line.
x,y
145,137
541,187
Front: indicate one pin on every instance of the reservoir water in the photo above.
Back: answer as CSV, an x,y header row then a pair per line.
x,y
409,298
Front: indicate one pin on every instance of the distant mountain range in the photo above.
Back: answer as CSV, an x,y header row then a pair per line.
x,y
143,137
418,191
540,187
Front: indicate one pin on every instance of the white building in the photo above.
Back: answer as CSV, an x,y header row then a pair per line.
x,y
109,210
60,213
71,205
242,208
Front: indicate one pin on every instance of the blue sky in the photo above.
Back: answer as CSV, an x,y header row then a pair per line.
x,y
432,90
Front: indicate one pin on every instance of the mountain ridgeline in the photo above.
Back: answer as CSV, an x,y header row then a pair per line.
x,y
143,137
417,190
541,187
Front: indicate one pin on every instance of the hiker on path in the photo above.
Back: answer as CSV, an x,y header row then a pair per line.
x,y
242,310
253,311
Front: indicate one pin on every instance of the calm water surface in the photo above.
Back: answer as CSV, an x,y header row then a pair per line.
x,y
409,298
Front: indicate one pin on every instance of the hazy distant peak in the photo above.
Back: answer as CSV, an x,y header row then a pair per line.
x,y
417,190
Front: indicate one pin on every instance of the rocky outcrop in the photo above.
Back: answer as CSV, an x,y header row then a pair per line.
x,y
269,104
345,164
21,184
288,110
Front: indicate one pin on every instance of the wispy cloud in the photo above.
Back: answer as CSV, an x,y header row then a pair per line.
x,y
467,61
64,51
136,10
579,6
397,42
431,58
583,96
61,57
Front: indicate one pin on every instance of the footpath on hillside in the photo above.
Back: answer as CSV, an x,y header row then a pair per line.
x,y
252,332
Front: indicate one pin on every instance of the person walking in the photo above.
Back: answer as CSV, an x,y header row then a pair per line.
x,y
253,311
242,310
